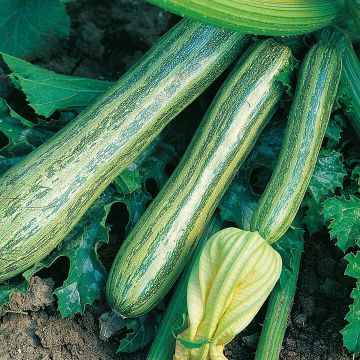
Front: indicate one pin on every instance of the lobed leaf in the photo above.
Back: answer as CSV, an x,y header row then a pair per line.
x,y
128,181
141,331
29,27
351,332
328,175
47,91
344,216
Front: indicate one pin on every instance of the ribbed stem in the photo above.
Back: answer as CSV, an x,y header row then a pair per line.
x,y
164,344
280,304
264,17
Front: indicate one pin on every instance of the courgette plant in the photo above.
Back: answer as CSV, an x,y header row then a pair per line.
x,y
47,193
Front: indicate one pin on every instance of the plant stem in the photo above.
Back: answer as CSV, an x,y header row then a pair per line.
x,y
277,314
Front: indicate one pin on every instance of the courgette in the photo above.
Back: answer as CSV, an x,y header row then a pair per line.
x,y
158,247
309,115
45,195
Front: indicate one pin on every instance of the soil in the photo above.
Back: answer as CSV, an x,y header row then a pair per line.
x,y
107,38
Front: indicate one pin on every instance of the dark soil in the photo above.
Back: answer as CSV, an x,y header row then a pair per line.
x,y
108,37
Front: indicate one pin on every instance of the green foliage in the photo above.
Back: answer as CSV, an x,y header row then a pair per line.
x,y
29,27
239,202
328,175
351,332
128,181
344,216
47,91
355,175
141,331
22,137
333,132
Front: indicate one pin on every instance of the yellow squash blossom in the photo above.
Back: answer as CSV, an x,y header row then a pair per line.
x,y
230,282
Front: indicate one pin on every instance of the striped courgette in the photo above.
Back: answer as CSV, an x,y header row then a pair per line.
x,y
309,115
45,195
159,246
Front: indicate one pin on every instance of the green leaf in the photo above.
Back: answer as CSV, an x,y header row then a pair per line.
x,y
128,181
87,276
333,133
135,203
344,216
152,164
30,27
314,218
6,164
141,331
351,332
47,91
23,136
328,175
239,202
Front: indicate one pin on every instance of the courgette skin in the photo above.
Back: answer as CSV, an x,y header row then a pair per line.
x,y
45,195
158,247
309,115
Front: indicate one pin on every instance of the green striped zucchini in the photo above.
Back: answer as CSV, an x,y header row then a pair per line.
x,y
309,115
45,195
157,249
